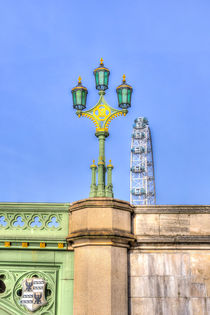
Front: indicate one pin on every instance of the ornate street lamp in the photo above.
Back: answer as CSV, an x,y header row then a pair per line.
x,y
124,92
101,115
101,77
79,94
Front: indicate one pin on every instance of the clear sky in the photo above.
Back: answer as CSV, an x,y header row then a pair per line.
x,y
163,47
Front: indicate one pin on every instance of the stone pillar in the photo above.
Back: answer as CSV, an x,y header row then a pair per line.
x,y
100,233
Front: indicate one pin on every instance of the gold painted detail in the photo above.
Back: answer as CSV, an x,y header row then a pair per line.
x,y
24,244
101,115
79,87
124,85
60,245
101,162
91,118
101,112
101,68
93,165
114,115
42,245
7,244
110,164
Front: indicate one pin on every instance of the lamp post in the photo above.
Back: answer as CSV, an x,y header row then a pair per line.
x,y
101,115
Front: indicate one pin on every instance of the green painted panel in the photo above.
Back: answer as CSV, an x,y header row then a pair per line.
x,y
3,312
56,268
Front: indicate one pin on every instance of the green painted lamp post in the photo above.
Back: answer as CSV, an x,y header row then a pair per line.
x,y
101,115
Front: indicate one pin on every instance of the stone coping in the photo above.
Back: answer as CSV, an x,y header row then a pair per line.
x,y
101,202
171,209
174,239
106,233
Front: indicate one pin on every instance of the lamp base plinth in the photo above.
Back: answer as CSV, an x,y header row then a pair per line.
x,y
109,191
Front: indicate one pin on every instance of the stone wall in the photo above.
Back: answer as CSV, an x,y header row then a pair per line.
x,y
169,265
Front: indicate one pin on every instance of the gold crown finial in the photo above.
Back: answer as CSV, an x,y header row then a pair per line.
x,y
93,161
101,61
110,161
79,80
123,78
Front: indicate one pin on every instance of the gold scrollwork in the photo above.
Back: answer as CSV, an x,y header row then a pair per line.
x,y
101,112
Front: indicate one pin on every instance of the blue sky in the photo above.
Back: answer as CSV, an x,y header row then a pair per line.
x,y
163,47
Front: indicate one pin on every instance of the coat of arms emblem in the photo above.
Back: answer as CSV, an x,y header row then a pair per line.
x,y
33,293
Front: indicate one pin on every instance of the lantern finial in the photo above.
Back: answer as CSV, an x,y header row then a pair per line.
x,y
123,78
79,80
101,61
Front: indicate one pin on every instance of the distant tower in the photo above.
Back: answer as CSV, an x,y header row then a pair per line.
x,y
142,177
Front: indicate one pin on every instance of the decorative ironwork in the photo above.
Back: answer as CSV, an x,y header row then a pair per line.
x,y
101,115
3,222
43,221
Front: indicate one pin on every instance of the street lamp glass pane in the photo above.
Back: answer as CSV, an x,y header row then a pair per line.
x,y
74,98
120,96
101,78
79,97
96,75
129,96
83,98
106,78
124,96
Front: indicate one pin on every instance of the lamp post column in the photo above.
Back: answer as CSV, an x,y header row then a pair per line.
x,y
109,186
93,187
101,163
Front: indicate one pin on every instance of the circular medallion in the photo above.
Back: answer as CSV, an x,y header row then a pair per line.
x,y
39,286
101,112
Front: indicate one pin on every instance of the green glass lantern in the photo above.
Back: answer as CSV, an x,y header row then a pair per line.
x,y
101,77
79,94
124,92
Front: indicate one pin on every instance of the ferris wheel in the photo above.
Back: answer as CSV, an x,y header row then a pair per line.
x,y
142,177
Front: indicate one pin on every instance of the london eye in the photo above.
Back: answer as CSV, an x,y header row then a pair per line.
x,y
142,177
